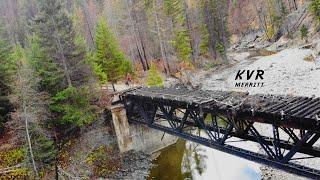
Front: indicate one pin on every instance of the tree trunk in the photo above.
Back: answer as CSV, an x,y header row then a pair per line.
x,y
135,36
189,26
88,23
145,56
114,89
29,141
163,56
64,60
25,115
141,59
56,143
141,42
295,4
262,24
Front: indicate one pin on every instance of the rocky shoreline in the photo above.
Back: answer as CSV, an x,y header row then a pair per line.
x,y
135,165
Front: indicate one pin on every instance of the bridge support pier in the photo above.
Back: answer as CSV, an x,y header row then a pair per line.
x,y
121,127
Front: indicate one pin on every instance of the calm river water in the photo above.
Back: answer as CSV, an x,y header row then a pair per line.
x,y
188,160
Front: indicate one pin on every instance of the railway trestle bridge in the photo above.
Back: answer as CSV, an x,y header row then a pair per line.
x,y
287,128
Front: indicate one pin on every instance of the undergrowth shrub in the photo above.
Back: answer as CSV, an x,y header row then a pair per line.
x,y
104,160
11,158
154,78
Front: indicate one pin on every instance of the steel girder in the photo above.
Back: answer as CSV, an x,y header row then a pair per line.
x,y
276,152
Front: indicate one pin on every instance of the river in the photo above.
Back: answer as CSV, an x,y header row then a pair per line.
x,y
188,160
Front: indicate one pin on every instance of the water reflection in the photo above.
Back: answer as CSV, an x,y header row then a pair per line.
x,y
169,163
187,160
194,159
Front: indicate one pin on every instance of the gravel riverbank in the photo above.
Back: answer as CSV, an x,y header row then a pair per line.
x,y
286,72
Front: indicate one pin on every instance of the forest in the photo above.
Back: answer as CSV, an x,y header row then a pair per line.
x,y
58,57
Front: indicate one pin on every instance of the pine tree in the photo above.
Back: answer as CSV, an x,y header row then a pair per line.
x,y
6,66
182,45
45,68
60,62
6,71
182,42
109,57
204,44
97,68
315,9
64,59
73,107
304,32
154,78
44,149
91,59
216,34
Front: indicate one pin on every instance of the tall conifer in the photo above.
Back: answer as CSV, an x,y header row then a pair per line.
x,y
109,55
60,62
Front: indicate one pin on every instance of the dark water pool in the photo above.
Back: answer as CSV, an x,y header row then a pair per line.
x,y
188,160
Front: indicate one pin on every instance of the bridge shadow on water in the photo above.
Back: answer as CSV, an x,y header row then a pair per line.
x,y
188,160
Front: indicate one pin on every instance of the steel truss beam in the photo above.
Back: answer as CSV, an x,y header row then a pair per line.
x,y
277,152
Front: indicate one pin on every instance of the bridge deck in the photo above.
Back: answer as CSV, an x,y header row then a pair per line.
x,y
290,111
282,125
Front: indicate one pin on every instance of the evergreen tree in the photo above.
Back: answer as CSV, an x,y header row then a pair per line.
x,y
216,34
315,9
204,44
154,77
109,58
45,68
6,66
97,68
174,9
182,42
72,107
304,32
6,72
60,62
63,58
31,110
182,45
44,149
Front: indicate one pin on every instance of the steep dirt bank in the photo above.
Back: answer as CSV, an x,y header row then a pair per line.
x,y
94,154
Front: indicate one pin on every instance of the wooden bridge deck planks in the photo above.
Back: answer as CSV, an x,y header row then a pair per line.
x,y
294,115
294,109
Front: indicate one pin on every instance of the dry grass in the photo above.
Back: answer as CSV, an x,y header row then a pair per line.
x,y
261,52
309,58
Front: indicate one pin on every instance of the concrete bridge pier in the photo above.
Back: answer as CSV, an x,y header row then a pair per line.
x,y
121,127
137,137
